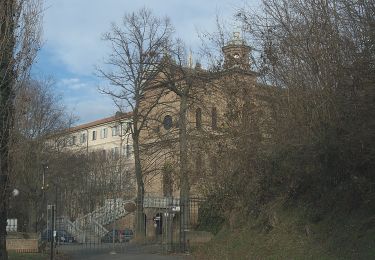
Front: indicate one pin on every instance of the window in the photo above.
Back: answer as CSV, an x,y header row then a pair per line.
x,y
167,171
177,123
104,133
198,164
198,118
74,140
63,143
214,118
115,130
115,152
128,151
82,138
93,135
167,122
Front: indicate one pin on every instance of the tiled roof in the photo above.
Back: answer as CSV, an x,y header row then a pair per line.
x,y
101,121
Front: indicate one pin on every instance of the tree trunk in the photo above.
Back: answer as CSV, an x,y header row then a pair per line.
x,y
140,220
184,176
7,46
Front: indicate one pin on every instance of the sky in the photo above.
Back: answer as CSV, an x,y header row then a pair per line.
x,y
72,45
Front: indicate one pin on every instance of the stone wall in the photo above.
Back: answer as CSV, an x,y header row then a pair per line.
x,y
22,243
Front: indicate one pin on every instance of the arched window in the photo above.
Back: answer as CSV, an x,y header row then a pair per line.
x,y
214,167
198,118
198,164
167,171
167,122
214,118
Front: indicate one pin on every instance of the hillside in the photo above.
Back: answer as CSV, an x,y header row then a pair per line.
x,y
287,232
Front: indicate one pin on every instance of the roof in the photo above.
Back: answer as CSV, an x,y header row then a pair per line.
x,y
118,116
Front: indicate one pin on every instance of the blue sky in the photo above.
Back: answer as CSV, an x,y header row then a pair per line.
x,y
72,44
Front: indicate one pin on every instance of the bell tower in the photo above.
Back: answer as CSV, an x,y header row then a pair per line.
x,y
236,53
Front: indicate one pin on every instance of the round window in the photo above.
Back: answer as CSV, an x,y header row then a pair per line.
x,y
167,122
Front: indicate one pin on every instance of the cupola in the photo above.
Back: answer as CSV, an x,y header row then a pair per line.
x,y
236,53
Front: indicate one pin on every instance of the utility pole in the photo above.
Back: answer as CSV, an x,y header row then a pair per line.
x,y
53,229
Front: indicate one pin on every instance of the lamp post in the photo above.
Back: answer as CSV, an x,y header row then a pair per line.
x,y
45,166
54,223
43,188
113,209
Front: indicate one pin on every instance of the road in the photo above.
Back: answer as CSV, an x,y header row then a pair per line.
x,y
121,251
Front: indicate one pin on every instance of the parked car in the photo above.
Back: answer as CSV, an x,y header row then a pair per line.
x,y
120,236
62,236
128,235
108,238
65,237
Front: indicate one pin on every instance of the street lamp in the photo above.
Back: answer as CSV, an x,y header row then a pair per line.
x,y
15,192
43,188
45,167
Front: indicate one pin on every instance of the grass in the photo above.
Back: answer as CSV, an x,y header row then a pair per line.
x,y
27,256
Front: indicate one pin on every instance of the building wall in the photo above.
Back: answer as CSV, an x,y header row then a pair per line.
x,y
107,160
101,136
207,121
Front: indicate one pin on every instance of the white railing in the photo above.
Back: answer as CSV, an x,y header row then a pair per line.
x,y
112,210
98,229
96,220
73,229
160,202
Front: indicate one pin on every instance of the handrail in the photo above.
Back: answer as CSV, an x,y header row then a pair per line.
x,y
99,229
160,202
101,216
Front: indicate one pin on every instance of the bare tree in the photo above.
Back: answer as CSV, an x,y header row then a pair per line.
x,y
319,58
19,41
321,54
38,115
213,42
138,47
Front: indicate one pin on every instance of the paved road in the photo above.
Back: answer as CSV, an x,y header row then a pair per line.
x,y
128,256
127,251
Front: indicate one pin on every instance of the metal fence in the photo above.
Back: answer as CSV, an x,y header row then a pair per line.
x,y
165,231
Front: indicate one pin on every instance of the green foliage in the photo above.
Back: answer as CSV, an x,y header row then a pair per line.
x,y
210,217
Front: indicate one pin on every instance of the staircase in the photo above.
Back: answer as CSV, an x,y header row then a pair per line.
x,y
90,228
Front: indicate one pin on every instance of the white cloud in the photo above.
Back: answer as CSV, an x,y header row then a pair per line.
x,y
72,83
